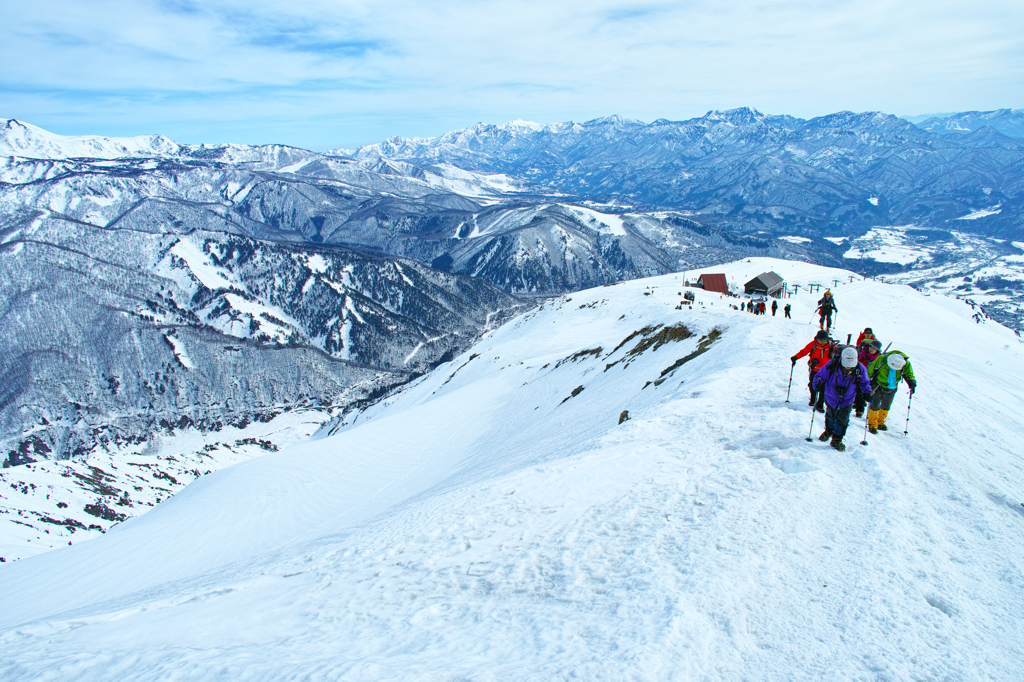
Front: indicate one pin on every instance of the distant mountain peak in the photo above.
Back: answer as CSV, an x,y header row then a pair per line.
x,y
738,116
18,138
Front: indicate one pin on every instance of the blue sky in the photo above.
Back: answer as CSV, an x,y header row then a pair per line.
x,y
339,73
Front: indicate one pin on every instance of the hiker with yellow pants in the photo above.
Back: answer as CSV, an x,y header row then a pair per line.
x,y
885,374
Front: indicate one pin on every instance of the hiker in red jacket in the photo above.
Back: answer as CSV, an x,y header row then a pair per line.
x,y
867,335
819,351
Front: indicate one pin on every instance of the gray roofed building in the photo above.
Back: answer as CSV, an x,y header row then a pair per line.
x,y
768,283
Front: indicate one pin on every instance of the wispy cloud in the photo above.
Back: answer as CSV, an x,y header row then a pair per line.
x,y
637,12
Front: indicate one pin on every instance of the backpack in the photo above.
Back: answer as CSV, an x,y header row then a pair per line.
x,y
835,356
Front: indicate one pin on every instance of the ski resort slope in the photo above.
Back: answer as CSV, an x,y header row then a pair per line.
x,y
496,521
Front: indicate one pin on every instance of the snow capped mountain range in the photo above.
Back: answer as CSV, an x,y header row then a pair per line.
x,y
749,171
605,487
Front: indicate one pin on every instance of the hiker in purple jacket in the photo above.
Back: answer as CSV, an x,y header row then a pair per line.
x,y
842,378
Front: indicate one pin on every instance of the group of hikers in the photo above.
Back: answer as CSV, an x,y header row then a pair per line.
x,y
844,378
761,308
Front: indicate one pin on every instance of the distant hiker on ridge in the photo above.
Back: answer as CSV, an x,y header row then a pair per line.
x,y
786,310
826,306
842,379
819,350
775,307
885,374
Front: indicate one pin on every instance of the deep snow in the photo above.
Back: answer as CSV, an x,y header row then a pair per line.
x,y
488,524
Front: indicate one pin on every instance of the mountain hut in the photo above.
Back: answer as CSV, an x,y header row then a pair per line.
x,y
715,282
767,283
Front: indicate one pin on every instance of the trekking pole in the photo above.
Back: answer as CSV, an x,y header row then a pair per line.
x,y
909,398
790,387
864,441
813,410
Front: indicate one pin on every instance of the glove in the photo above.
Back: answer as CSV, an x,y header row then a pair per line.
x,y
793,359
913,387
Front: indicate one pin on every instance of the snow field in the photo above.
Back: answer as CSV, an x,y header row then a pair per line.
x,y
483,524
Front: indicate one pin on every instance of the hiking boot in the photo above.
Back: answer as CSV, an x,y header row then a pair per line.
x,y
820,408
872,430
858,414
838,444
825,435
810,402
883,427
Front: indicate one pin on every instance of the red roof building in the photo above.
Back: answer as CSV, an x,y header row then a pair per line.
x,y
714,283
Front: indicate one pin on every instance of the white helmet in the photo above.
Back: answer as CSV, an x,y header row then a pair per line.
x,y
849,357
896,361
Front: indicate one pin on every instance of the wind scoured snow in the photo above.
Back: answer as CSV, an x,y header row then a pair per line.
x,y
538,509
795,240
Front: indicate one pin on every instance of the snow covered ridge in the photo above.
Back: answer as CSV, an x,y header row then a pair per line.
x,y
540,508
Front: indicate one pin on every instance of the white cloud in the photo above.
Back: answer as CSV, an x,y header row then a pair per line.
x,y
335,73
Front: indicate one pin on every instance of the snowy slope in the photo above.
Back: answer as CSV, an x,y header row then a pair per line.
x,y
51,503
495,520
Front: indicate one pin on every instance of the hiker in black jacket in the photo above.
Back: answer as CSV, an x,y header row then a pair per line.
x,y
826,306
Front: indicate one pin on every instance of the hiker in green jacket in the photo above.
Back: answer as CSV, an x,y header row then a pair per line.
x,y
885,374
